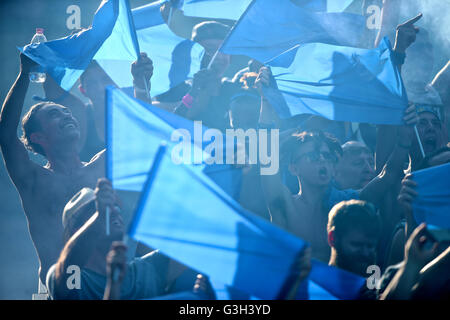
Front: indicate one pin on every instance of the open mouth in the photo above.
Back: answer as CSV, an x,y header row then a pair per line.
x,y
430,141
323,173
70,124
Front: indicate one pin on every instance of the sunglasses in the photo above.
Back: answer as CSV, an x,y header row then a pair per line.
x,y
315,156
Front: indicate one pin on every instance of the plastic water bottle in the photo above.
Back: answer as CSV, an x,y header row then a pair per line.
x,y
36,76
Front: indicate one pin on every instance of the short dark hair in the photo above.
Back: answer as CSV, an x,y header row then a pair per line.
x,y
30,125
317,137
354,214
209,30
426,161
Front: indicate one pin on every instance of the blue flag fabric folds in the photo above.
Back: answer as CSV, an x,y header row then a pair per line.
x,y
338,83
110,38
263,35
175,59
188,219
217,9
134,131
331,283
432,205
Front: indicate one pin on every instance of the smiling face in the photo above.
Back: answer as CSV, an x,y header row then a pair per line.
x,y
58,126
313,164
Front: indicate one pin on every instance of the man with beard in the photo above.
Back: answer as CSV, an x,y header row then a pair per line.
x,y
354,228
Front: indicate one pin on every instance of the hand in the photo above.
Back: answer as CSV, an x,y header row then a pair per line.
x,y
26,64
416,255
205,80
142,71
116,260
406,34
406,132
201,284
263,79
407,193
304,264
105,196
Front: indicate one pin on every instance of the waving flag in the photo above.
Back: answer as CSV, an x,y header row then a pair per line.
x,y
217,9
330,283
197,224
175,59
268,28
338,83
134,131
110,38
432,205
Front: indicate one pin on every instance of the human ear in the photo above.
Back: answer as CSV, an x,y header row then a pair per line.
x,y
331,240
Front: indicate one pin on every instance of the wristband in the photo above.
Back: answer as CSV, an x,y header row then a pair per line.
x,y
398,58
139,90
188,101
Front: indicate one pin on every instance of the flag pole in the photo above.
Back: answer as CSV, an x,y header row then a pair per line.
x,y
419,141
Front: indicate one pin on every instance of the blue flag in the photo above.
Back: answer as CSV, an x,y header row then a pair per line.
x,y
262,35
189,219
330,283
217,9
110,38
175,59
338,83
432,205
134,131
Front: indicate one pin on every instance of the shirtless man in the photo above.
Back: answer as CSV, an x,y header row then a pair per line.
x,y
51,130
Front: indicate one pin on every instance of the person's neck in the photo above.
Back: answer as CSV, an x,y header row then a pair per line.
x,y
64,160
97,260
312,194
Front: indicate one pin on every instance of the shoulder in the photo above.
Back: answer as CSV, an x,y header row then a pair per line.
x,y
334,195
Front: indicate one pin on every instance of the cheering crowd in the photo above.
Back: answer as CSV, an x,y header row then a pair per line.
x,y
346,188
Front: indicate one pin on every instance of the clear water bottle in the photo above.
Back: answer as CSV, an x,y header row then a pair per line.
x,y
35,75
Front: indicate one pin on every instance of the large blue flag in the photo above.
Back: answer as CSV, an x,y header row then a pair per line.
x,y
134,131
233,9
338,83
175,59
432,205
216,9
110,38
268,28
330,283
192,221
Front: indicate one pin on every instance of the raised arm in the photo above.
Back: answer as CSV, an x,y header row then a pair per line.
x,y
80,246
20,168
392,171
142,71
205,82
417,255
278,197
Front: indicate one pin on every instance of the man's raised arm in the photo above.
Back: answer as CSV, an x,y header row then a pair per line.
x,y
19,165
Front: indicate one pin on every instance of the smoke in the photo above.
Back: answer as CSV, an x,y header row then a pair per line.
x,y
436,21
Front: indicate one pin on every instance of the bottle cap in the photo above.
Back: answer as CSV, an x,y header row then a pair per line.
x,y
40,30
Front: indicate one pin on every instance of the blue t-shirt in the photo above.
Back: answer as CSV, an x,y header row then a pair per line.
x,y
145,278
